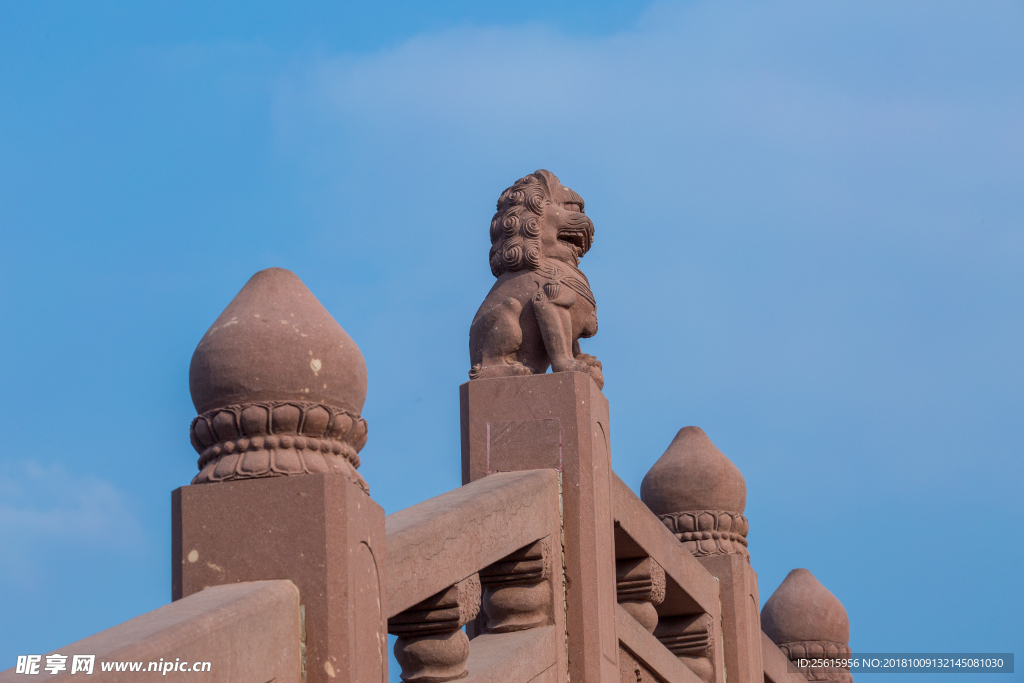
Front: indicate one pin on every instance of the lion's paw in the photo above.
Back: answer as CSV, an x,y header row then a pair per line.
x,y
579,365
513,369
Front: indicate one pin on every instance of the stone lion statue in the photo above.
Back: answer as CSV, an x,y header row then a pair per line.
x,y
541,305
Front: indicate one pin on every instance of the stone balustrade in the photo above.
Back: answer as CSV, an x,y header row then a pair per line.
x,y
543,567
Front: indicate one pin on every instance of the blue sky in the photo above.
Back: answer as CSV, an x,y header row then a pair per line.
x,y
809,243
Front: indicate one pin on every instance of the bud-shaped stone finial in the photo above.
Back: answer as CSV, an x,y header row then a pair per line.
x,y
278,386
700,496
806,621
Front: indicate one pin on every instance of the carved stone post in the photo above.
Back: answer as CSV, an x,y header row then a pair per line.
x,y
806,621
691,639
516,591
558,421
700,496
279,386
640,585
431,645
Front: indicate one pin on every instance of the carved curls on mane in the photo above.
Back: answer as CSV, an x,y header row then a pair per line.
x,y
515,229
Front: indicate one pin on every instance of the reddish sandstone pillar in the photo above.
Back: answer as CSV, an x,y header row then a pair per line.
x,y
808,622
320,531
558,421
700,496
279,387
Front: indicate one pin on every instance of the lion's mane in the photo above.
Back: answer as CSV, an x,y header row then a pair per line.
x,y
515,228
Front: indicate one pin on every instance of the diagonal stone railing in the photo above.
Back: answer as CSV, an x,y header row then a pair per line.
x,y
685,630
543,567
495,544
239,632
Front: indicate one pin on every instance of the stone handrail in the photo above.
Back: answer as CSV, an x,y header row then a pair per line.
x,y
492,543
689,588
551,564
441,541
649,652
515,657
243,631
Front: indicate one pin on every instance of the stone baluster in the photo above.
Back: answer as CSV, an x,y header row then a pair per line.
x,y
431,645
640,585
691,639
517,591
700,495
278,387
806,621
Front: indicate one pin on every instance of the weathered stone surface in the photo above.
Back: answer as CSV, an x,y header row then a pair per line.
x,y
531,655
322,532
803,609
741,625
275,341
440,541
777,667
517,591
640,586
692,640
541,304
431,645
639,533
647,659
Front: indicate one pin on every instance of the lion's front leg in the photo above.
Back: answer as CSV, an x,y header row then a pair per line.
x,y
554,318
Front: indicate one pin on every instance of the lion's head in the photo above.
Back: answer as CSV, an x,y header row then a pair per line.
x,y
538,218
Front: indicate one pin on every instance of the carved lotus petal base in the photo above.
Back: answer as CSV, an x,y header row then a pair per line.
x,y
277,463
710,532
277,439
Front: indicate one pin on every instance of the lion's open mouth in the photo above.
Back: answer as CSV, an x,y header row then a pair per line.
x,y
579,240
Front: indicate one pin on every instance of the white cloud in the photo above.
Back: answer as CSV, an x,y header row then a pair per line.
x,y
799,103
743,64
46,510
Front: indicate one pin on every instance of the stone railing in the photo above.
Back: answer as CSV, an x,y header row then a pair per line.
x,y
517,576
487,553
669,618
240,632
543,567
777,667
